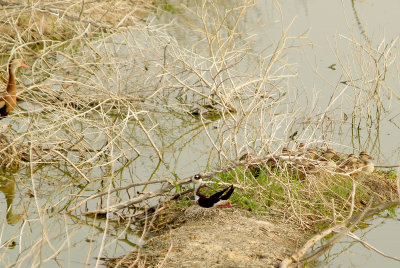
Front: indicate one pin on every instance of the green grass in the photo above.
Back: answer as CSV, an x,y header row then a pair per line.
x,y
184,202
168,7
318,198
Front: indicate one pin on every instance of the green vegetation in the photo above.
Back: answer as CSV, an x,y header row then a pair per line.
x,y
113,102
316,200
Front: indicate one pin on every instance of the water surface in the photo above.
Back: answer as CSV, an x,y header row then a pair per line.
x,y
320,59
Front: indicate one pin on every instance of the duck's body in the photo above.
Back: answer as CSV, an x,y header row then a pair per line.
x,y
8,100
367,165
286,151
349,164
336,156
289,153
329,154
312,154
301,148
327,161
218,200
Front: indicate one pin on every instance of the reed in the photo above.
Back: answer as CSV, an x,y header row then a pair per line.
x,y
109,85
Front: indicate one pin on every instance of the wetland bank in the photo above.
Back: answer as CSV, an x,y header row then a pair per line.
x,y
117,113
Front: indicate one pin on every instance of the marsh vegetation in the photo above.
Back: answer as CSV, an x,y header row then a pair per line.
x,y
126,100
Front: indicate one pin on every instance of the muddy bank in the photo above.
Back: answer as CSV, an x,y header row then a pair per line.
x,y
199,237
218,238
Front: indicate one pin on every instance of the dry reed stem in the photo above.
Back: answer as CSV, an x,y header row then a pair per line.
x,y
297,256
91,92
149,195
353,220
398,182
370,247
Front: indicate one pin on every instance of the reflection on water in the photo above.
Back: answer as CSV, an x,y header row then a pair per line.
x,y
183,144
380,232
7,187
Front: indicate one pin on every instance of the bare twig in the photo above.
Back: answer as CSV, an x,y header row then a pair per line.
x,y
297,257
370,247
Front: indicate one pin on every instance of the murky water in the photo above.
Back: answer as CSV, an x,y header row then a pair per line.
x,y
331,24
322,32
379,232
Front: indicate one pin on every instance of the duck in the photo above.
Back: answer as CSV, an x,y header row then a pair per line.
x,y
8,100
313,162
337,156
301,148
312,153
254,169
327,161
286,151
218,200
329,154
349,164
367,166
246,157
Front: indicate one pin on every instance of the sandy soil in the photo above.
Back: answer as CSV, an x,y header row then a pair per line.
x,y
221,238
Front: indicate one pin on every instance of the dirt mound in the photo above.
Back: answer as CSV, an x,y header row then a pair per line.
x,y
221,238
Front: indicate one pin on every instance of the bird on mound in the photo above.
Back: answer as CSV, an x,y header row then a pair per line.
x,y
366,162
8,99
218,200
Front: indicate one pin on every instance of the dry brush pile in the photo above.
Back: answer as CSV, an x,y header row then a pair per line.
x,y
88,101
99,78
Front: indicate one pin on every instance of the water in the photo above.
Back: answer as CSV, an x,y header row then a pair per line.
x,y
380,232
329,24
320,57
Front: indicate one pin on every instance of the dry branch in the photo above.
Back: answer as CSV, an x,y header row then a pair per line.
x,y
116,190
387,166
297,257
249,162
370,247
161,191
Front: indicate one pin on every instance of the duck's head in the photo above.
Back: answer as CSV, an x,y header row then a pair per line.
x,y
353,158
15,64
364,156
329,154
301,147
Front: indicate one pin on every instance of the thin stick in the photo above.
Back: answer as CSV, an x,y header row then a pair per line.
x,y
369,246
159,192
72,164
392,166
161,264
115,190
398,182
296,256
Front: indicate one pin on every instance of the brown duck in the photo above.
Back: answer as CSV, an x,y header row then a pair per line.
x,y
8,99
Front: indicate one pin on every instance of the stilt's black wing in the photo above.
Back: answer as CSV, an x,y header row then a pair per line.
x,y
208,202
228,193
215,197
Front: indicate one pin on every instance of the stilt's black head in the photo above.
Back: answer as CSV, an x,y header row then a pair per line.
x,y
196,177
